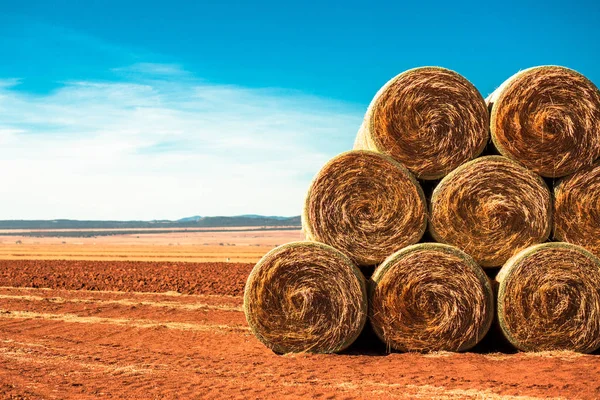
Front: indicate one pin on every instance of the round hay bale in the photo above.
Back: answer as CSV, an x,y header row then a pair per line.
x,y
548,119
577,209
430,297
305,297
491,208
549,298
366,205
430,119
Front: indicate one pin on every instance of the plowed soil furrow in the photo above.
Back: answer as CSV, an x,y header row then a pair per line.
x,y
58,343
189,278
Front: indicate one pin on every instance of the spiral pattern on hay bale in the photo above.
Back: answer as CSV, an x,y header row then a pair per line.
x,y
430,297
548,119
366,205
305,297
491,208
549,298
430,119
577,209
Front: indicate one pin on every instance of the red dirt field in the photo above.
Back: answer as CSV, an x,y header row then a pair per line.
x,y
85,329
142,276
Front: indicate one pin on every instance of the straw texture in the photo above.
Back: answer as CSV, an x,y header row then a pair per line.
x,y
366,205
491,208
548,119
549,299
577,209
305,297
430,119
430,297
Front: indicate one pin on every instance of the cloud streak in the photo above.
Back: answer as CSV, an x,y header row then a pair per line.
x,y
157,142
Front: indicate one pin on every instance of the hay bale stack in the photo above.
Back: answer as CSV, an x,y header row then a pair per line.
x,y
430,119
366,208
549,298
430,297
577,209
305,297
491,208
548,119
366,205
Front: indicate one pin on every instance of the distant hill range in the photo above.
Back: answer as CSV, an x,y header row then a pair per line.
x,y
189,222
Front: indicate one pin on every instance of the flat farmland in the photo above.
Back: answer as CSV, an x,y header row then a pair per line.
x,y
208,245
173,328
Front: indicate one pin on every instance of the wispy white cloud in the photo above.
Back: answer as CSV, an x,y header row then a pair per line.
x,y
152,69
160,143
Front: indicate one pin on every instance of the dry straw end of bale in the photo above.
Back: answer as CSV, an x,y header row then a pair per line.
x,y
549,298
430,119
548,119
430,297
491,208
305,297
577,209
366,205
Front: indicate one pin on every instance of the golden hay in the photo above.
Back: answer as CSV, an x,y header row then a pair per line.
x,y
430,297
305,297
547,118
549,298
366,205
430,119
491,208
577,209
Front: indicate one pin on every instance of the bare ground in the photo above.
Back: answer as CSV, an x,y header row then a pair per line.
x,y
117,338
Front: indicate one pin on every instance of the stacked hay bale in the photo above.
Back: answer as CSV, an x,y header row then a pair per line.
x,y
366,209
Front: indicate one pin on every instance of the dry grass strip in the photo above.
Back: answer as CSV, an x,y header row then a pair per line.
x,y
125,302
430,297
549,298
305,297
547,118
430,119
135,323
491,208
366,205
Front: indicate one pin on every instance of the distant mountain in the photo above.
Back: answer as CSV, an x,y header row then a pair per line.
x,y
262,216
247,220
195,218
189,222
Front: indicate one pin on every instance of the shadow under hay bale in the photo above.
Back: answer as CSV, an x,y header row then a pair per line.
x,y
549,299
548,119
367,343
366,205
491,208
305,297
430,297
430,119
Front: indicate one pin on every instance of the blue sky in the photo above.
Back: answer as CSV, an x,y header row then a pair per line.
x,y
137,110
